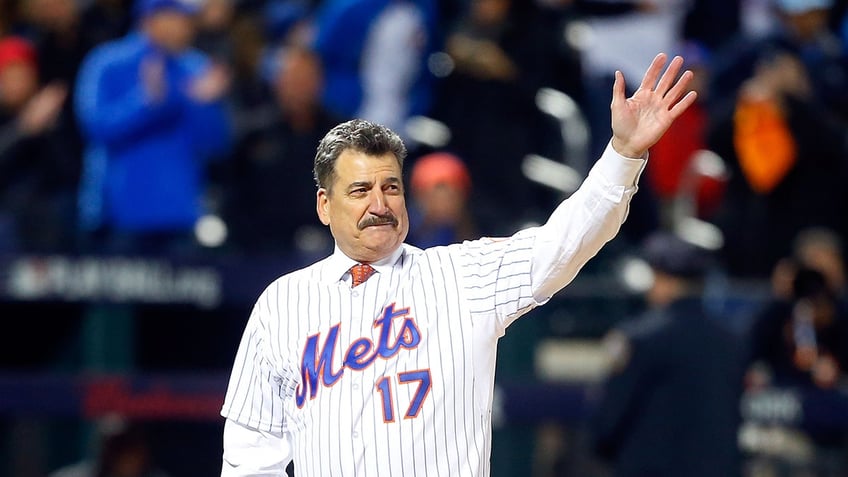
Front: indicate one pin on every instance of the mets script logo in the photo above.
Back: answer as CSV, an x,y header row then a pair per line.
x,y
317,362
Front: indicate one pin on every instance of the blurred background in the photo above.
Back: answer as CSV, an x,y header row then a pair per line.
x,y
155,176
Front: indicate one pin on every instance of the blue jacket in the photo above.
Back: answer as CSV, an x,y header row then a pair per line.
x,y
144,160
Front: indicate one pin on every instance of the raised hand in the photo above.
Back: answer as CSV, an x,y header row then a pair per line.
x,y
639,121
212,84
41,112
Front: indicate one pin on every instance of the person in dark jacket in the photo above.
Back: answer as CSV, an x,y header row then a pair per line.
x,y
669,406
38,160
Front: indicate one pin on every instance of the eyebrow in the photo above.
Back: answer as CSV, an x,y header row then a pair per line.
x,y
369,184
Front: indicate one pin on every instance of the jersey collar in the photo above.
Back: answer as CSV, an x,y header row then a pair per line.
x,y
338,265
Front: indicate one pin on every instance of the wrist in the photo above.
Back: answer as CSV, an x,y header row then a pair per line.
x,y
627,151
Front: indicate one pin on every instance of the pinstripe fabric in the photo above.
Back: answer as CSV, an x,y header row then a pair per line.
x,y
454,306
396,376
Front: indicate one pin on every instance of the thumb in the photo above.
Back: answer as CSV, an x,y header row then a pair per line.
x,y
618,90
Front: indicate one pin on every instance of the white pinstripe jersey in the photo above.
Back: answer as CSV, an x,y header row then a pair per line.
x,y
443,300
395,377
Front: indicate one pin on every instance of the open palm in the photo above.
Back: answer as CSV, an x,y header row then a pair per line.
x,y
639,121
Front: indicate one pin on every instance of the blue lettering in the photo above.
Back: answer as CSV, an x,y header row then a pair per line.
x,y
311,368
317,361
357,351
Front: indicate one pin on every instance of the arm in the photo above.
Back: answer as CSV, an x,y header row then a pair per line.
x,y
505,278
256,439
38,115
254,453
582,224
112,120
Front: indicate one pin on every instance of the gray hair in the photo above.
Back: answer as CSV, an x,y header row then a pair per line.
x,y
358,135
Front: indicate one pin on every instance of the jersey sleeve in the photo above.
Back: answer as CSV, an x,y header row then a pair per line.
x,y
254,453
495,275
505,278
582,224
260,385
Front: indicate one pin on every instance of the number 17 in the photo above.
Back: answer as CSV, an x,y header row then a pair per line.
x,y
384,386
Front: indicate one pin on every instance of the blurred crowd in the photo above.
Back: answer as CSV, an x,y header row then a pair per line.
x,y
172,126
183,127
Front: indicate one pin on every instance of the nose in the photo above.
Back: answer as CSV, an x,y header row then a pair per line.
x,y
377,205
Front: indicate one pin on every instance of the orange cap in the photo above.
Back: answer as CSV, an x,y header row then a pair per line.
x,y
440,168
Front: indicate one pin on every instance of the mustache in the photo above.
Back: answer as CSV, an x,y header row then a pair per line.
x,y
388,219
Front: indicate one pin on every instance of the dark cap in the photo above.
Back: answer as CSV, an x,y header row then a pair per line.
x,y
667,252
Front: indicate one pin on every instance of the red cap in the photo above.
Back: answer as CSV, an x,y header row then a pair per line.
x,y
440,168
16,50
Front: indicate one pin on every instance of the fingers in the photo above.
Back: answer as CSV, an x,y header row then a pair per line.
x,y
650,78
669,76
684,103
677,90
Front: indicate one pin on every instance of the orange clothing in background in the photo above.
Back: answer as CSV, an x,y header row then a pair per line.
x,y
764,145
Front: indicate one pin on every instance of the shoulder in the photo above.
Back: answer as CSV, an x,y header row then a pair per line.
x,y
108,57
127,47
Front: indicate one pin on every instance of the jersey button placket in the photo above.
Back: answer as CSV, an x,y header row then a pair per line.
x,y
365,327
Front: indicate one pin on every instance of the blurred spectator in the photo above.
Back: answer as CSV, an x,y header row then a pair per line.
x,y
288,21
62,40
670,405
439,215
502,58
803,340
782,133
822,249
38,164
250,88
55,28
214,24
265,217
801,344
804,31
152,113
375,56
123,450
817,248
